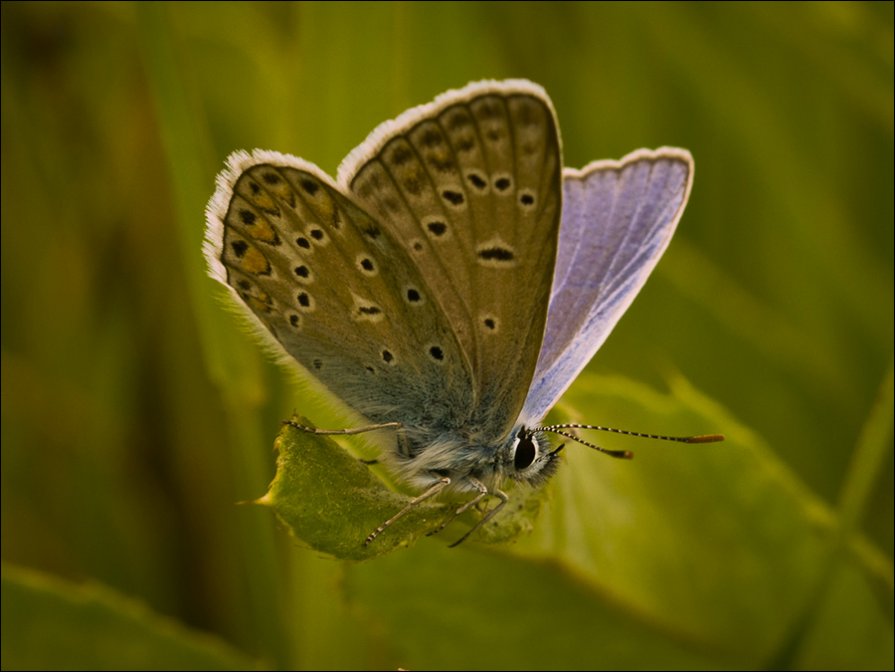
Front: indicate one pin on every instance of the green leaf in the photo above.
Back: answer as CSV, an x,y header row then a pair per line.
x,y
48,623
479,609
687,556
332,501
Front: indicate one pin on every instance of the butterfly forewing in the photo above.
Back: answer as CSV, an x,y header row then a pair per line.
x,y
337,292
471,186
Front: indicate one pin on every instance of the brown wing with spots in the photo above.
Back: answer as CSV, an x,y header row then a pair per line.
x,y
341,296
470,185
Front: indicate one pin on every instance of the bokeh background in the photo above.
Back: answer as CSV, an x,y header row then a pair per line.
x,y
137,412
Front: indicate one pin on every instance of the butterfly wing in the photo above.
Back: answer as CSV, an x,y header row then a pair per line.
x,y
333,288
470,185
617,220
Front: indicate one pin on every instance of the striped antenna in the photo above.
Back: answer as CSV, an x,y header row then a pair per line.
x,y
623,454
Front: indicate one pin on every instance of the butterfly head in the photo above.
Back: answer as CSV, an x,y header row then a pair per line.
x,y
529,457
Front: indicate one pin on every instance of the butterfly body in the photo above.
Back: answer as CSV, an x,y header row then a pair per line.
x,y
453,280
426,458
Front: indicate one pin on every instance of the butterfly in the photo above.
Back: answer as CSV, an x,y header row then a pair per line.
x,y
453,280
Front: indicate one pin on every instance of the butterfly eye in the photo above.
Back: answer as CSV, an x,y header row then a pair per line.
x,y
526,451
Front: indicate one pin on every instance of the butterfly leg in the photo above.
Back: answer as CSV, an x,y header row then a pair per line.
x,y
343,432
502,496
482,493
437,487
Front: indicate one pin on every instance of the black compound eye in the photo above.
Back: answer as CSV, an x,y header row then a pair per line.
x,y
526,451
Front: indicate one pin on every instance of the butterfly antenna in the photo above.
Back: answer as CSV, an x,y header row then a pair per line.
x,y
625,454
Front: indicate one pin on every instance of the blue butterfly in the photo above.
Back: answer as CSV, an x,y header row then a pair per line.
x,y
453,281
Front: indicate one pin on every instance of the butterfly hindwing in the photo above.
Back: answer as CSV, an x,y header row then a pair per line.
x,y
334,289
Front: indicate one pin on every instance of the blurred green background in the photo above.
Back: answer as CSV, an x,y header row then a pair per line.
x,y
136,410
